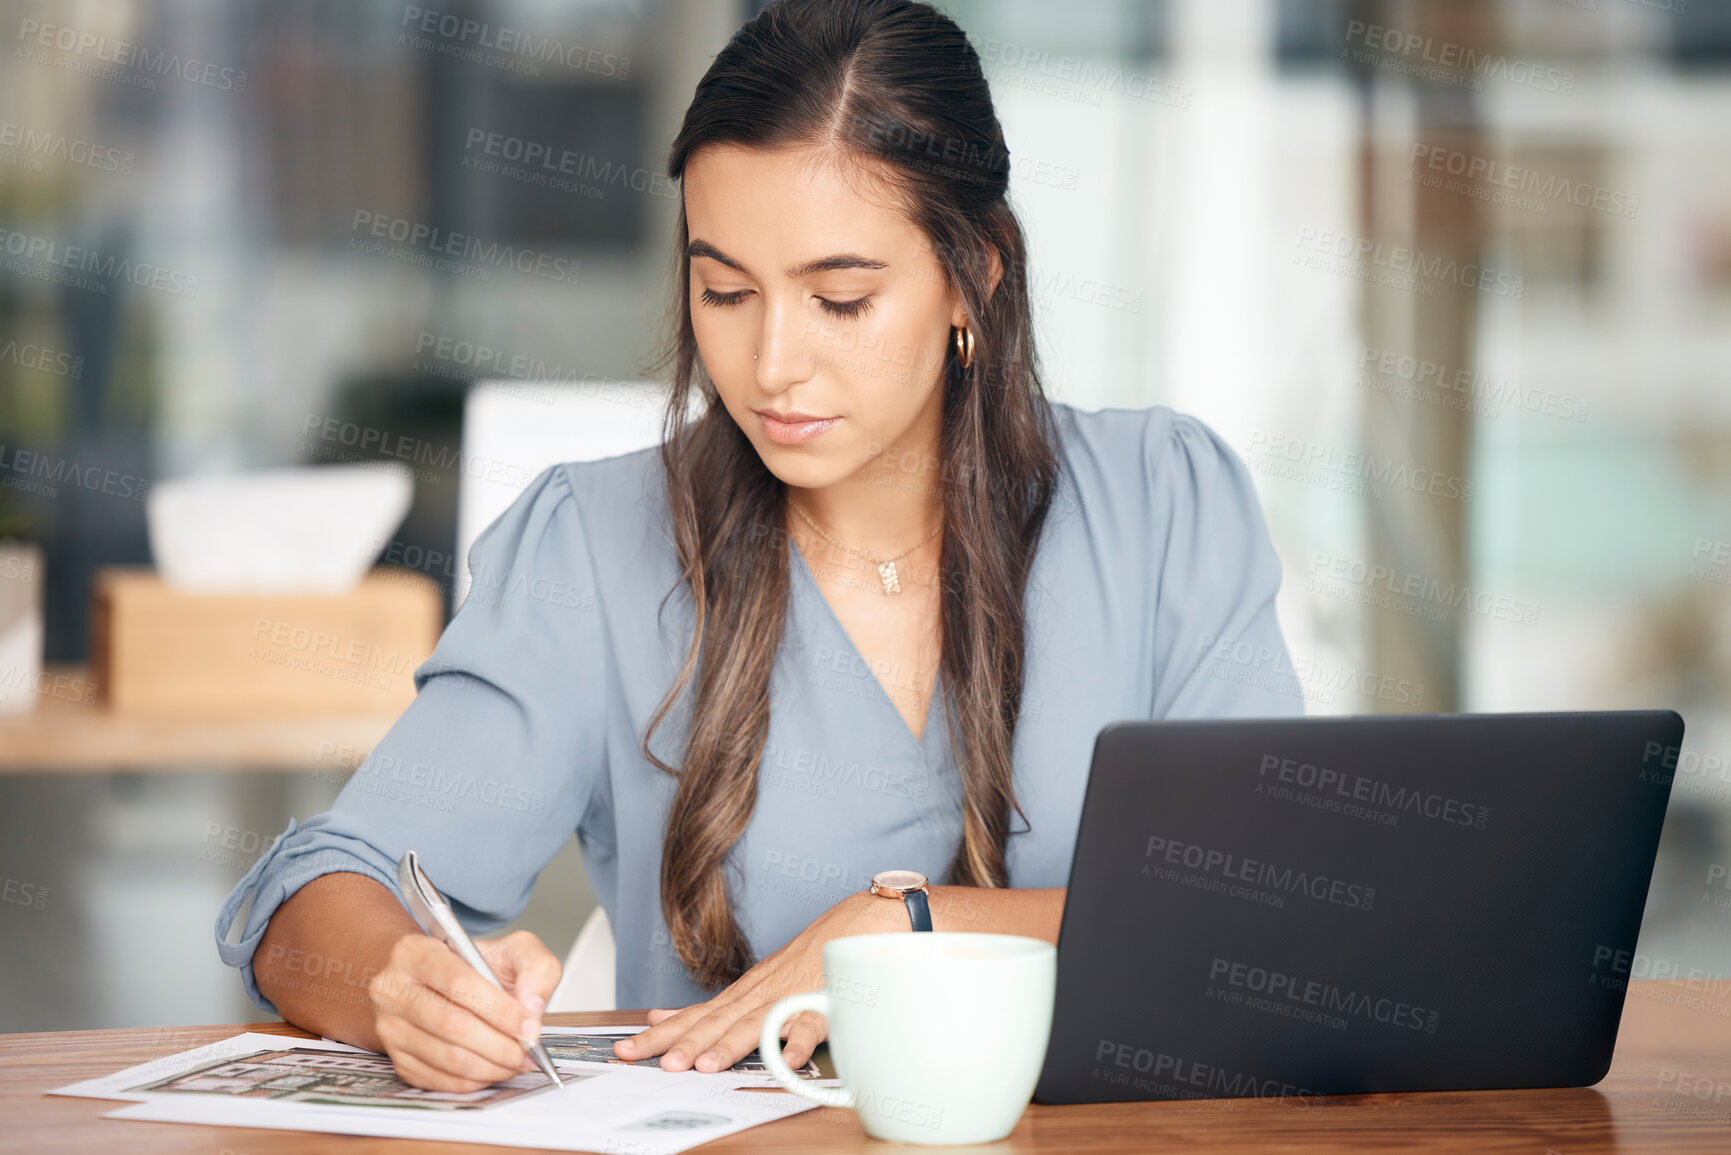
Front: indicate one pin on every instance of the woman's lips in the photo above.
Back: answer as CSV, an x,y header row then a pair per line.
x,y
792,428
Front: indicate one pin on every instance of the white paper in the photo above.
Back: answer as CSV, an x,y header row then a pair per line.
x,y
756,1076
625,1111
609,1107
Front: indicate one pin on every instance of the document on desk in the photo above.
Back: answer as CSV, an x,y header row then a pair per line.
x,y
258,1080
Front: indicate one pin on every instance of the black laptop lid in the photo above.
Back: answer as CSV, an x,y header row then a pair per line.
x,y
1329,905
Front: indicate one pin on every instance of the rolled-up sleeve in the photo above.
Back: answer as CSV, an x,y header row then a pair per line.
x,y
490,770
1219,649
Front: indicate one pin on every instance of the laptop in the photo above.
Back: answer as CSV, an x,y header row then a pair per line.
x,y
1292,907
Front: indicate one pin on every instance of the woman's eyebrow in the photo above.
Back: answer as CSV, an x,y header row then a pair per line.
x,y
702,248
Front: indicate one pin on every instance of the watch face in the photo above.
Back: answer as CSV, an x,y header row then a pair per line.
x,y
898,879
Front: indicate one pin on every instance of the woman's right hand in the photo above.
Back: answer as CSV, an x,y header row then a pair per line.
x,y
448,1029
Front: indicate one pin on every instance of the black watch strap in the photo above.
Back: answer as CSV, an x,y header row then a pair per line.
x,y
919,909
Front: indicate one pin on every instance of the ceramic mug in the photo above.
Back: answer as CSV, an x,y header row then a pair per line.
x,y
936,1037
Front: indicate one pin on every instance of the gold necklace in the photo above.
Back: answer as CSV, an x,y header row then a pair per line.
x,y
886,566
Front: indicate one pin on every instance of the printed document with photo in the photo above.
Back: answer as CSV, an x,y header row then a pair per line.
x,y
261,1080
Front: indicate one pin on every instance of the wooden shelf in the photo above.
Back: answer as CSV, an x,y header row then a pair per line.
x,y
68,733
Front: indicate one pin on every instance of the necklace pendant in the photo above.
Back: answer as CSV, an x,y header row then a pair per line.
x,y
892,580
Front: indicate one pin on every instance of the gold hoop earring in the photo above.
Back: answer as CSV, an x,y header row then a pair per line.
x,y
964,342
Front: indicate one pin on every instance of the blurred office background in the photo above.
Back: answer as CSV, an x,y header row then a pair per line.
x,y
1455,279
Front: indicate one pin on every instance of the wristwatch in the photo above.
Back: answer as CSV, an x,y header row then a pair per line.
x,y
910,887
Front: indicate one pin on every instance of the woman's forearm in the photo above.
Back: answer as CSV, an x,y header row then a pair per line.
x,y
712,1035
323,947
327,942
999,910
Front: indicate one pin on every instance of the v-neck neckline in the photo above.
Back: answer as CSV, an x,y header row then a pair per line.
x,y
919,743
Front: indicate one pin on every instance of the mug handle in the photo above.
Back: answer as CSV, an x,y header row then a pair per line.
x,y
769,1050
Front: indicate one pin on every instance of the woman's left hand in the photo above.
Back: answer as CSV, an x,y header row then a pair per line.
x,y
713,1036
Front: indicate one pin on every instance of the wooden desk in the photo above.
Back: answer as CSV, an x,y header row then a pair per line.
x,y
66,732
1683,1028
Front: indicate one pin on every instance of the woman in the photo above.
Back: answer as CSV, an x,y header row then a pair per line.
x,y
867,612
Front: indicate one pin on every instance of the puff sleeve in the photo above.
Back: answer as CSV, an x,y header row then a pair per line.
x,y
1219,649
490,770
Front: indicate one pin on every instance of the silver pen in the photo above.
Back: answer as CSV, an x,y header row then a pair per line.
x,y
436,918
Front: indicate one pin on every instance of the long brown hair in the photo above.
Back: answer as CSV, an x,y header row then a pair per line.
x,y
895,82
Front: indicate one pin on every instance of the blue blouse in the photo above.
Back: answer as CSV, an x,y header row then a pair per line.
x,y
1151,596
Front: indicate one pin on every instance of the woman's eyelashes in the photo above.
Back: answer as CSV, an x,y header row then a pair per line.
x,y
847,310
722,300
